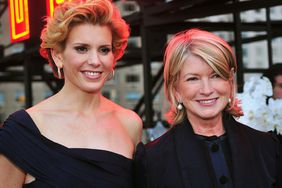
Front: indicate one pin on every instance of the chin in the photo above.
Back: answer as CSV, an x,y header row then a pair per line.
x,y
92,90
210,115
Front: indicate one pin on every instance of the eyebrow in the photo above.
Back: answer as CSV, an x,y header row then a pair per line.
x,y
86,44
190,74
80,43
196,74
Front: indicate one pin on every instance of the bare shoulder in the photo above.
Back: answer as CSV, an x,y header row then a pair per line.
x,y
131,118
10,175
40,111
131,121
43,114
36,114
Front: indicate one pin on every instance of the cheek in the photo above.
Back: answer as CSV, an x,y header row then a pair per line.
x,y
73,60
188,92
224,87
73,63
108,62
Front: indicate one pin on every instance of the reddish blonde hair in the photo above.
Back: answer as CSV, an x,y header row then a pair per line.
x,y
69,14
216,52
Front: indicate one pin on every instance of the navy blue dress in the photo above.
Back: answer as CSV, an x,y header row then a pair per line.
x,y
54,165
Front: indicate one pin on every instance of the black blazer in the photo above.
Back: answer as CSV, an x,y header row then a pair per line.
x,y
178,159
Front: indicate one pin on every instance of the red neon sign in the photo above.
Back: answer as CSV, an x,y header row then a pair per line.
x,y
19,20
20,17
51,5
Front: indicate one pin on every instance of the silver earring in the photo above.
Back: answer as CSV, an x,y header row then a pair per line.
x,y
229,100
111,75
179,106
59,73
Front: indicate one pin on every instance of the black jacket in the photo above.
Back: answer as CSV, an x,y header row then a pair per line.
x,y
178,159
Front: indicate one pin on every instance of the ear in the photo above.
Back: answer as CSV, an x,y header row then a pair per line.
x,y
231,76
57,57
232,86
177,94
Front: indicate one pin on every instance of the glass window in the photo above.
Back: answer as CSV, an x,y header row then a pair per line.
x,y
132,95
20,97
2,98
132,78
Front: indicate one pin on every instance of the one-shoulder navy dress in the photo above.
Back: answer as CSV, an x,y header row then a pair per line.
x,y
54,165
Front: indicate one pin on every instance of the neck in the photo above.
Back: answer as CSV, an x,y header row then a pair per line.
x,y
212,127
77,100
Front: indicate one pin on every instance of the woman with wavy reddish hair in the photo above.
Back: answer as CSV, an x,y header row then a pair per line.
x,y
77,137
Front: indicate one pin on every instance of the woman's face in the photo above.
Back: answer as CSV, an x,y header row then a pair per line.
x,y
88,57
203,92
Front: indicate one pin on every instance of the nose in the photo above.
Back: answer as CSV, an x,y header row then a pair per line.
x,y
94,59
206,87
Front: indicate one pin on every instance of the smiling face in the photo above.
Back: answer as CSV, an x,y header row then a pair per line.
x,y
87,59
203,93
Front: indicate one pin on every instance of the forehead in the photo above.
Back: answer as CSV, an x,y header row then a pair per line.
x,y
195,65
89,33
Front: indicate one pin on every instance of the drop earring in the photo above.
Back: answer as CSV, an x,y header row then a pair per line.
x,y
59,73
179,106
229,101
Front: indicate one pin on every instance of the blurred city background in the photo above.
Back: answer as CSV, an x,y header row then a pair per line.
x,y
252,27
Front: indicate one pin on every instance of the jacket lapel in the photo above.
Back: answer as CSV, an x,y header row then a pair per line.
x,y
241,152
192,157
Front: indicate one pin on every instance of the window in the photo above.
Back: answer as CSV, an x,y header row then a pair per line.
x,y
132,78
47,94
132,95
20,97
2,99
245,52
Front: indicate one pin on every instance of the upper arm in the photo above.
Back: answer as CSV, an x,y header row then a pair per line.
x,y
134,125
10,175
138,126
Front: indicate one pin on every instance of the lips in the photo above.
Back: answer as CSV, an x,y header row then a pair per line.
x,y
207,101
92,74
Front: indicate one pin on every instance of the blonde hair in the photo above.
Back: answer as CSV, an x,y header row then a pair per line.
x,y
216,52
70,14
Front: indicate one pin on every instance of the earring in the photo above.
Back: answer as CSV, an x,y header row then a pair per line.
x,y
111,75
229,101
59,73
179,106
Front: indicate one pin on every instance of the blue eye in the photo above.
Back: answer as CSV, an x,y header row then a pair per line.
x,y
105,50
192,79
80,49
215,76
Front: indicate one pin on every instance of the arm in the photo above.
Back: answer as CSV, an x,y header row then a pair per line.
x,y
134,126
10,175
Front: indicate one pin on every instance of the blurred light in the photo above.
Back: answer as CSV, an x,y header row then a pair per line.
x,y
51,5
19,20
